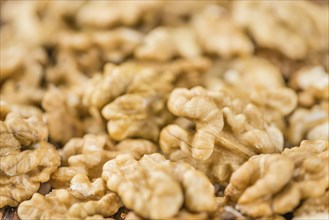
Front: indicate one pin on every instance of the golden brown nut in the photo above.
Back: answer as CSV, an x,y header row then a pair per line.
x,y
103,89
198,191
141,112
68,71
24,85
79,202
139,77
254,73
317,216
151,186
11,61
212,111
258,81
117,44
135,115
312,84
276,184
87,156
188,72
309,124
182,215
165,43
23,171
22,131
264,19
62,121
146,187
109,14
132,216
25,111
219,35
313,206
227,132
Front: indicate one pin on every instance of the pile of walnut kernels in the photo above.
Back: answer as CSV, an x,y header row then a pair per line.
x,y
164,110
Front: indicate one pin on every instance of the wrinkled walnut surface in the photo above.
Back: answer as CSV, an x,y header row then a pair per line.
x,y
164,109
275,184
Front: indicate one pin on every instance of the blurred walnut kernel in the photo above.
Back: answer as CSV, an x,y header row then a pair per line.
x,y
263,20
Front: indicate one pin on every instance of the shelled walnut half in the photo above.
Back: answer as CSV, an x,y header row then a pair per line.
x,y
84,199
87,156
26,159
277,183
222,132
156,188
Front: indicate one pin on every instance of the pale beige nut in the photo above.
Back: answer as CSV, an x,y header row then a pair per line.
x,y
165,43
136,76
313,206
276,184
11,61
228,212
75,41
135,115
226,132
25,24
186,215
317,216
109,14
264,20
244,120
68,61
146,187
23,171
176,13
151,186
132,216
258,81
81,201
87,156
23,110
24,86
141,112
62,121
103,89
137,147
30,28
309,124
188,72
117,44
5,108
176,142
275,104
312,84
26,131
19,92
18,131
255,72
182,215
219,35
198,191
